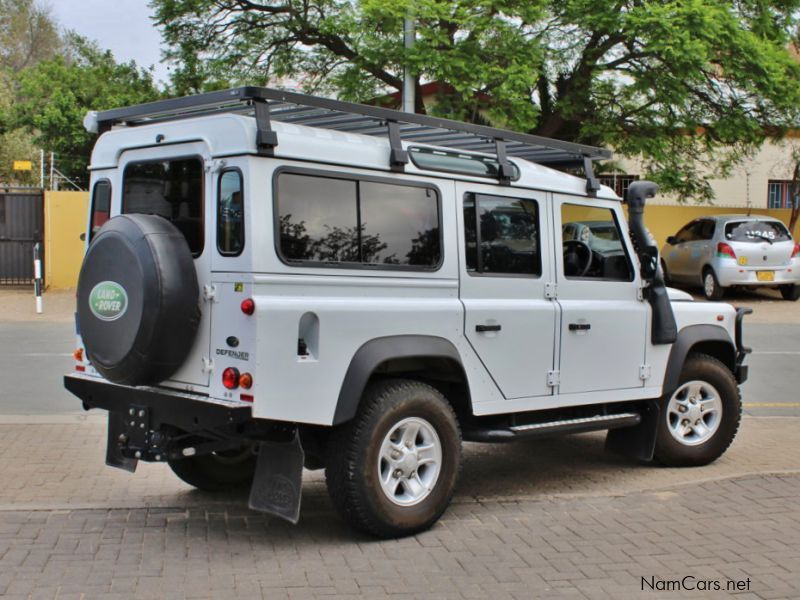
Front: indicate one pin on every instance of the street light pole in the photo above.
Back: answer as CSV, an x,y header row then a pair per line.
x,y
408,77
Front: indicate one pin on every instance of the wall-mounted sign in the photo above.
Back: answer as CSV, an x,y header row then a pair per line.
x,y
23,165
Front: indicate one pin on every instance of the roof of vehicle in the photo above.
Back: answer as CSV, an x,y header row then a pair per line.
x,y
739,217
228,135
273,110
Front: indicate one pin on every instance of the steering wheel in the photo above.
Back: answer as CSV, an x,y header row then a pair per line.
x,y
577,258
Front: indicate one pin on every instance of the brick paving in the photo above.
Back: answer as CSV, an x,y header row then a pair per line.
x,y
556,518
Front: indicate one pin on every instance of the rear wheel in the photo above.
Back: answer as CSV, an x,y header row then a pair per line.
x,y
790,292
711,287
699,419
232,469
392,470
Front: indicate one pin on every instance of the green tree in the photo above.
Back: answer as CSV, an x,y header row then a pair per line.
x,y
686,84
54,96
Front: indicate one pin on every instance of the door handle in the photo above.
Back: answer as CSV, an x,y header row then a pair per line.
x,y
484,328
580,326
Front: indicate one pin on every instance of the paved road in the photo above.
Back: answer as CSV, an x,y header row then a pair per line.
x,y
34,356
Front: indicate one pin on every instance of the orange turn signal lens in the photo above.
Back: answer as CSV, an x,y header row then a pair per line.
x,y
78,355
246,381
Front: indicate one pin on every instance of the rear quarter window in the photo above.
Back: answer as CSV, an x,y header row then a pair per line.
x,y
756,231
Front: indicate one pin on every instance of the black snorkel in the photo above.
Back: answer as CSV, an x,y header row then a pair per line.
x,y
664,329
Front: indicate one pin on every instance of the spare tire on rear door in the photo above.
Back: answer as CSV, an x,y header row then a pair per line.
x,y
138,300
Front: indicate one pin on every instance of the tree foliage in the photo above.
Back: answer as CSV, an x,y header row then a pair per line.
x,y
55,95
685,84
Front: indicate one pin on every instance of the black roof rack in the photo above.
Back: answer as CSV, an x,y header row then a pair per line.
x,y
268,105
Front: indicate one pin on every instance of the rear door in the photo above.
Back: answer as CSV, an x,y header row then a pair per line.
x,y
173,182
509,321
760,245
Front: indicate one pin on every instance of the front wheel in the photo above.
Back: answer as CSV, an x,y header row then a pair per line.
x,y
790,292
701,417
392,470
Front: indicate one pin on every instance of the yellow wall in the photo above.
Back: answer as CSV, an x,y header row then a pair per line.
x,y
65,215
663,221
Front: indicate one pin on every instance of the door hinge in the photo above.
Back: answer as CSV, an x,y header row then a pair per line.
x,y
210,292
208,365
553,378
644,372
640,294
215,166
551,290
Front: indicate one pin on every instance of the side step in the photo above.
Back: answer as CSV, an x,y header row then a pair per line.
x,y
551,428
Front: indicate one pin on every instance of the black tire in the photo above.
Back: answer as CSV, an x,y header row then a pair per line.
x,y
353,459
672,453
717,292
138,300
790,292
217,472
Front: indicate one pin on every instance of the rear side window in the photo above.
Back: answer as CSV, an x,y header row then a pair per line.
x,y
172,189
101,205
501,235
230,214
354,222
756,231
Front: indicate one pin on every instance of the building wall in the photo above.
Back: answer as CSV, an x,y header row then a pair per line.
x,y
748,184
64,222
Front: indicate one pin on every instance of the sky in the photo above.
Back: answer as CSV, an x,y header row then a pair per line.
x,y
122,26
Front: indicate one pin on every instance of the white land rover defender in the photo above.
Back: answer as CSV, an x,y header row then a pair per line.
x,y
274,281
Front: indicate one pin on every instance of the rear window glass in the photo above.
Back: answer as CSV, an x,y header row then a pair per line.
x,y
756,231
353,222
172,189
455,162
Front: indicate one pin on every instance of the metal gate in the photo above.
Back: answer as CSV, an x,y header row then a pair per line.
x,y
21,226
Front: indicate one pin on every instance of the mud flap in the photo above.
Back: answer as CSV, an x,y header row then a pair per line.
x,y
637,442
114,457
278,482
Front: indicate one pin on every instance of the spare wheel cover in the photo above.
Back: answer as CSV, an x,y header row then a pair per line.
x,y
138,300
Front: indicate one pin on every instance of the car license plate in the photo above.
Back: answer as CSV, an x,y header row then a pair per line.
x,y
765,275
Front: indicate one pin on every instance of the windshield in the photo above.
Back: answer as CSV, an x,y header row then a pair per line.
x,y
756,231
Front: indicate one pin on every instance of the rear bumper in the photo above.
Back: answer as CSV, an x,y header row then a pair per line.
x,y
184,411
734,274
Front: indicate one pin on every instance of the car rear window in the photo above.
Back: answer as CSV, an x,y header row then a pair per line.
x,y
172,189
756,231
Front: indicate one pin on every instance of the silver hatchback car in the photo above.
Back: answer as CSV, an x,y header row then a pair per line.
x,y
733,250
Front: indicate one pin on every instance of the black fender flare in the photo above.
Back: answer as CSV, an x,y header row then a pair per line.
x,y
376,352
688,337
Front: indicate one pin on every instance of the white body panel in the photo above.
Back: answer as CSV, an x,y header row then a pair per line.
x,y
506,371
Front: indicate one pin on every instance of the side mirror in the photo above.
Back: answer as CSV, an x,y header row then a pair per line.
x,y
648,257
83,237
672,240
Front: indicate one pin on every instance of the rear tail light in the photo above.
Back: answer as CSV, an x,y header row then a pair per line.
x,y
724,249
230,378
248,306
796,250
